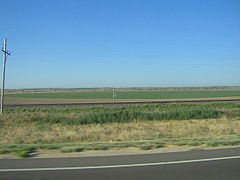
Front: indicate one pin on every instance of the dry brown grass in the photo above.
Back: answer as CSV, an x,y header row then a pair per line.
x,y
43,133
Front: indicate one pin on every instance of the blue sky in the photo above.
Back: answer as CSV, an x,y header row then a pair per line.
x,y
121,43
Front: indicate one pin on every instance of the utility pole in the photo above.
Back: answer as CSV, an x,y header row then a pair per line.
x,y
114,95
5,54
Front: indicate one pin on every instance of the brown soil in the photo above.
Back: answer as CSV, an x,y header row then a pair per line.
x,y
12,100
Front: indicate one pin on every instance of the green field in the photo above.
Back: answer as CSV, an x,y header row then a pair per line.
x,y
132,94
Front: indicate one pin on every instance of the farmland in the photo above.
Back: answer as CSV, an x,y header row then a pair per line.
x,y
132,94
68,96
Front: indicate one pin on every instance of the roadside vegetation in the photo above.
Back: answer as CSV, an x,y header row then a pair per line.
x,y
76,129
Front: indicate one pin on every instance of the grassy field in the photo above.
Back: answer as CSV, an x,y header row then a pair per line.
x,y
132,94
101,127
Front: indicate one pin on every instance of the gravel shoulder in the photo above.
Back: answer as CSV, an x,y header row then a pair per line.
x,y
117,152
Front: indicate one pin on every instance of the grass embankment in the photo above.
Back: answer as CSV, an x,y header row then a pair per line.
x,y
23,130
132,94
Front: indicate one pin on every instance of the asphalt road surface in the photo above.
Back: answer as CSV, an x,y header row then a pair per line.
x,y
196,164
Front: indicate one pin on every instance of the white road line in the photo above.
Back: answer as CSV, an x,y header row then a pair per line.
x,y
120,166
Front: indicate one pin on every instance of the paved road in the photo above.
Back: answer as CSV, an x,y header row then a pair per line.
x,y
125,103
200,164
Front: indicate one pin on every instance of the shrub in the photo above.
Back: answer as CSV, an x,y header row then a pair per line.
x,y
23,154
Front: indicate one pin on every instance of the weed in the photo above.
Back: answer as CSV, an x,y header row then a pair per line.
x,y
4,151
